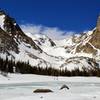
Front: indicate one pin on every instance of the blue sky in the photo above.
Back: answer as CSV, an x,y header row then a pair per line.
x,y
71,15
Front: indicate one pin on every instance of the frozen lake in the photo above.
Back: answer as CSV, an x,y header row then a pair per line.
x,y
81,90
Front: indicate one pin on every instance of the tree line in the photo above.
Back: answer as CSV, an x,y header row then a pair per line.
x,y
10,66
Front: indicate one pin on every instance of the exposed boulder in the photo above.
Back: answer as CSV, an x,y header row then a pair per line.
x,y
64,87
42,91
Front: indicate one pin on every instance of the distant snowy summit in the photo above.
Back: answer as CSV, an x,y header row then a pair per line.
x,y
77,51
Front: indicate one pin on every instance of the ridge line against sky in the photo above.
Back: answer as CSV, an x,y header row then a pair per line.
x,y
71,15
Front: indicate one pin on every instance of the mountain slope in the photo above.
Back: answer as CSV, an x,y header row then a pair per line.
x,y
90,44
76,51
17,45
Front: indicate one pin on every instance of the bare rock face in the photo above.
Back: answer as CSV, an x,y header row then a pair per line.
x,y
13,29
11,35
91,44
87,48
98,24
95,40
7,43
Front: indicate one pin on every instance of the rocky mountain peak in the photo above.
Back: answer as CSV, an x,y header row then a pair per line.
x,y
91,43
11,35
2,12
98,23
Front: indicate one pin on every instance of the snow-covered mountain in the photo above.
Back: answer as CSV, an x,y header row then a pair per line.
x,y
15,44
76,51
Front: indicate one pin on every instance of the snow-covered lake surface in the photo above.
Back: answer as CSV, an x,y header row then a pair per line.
x,y
21,87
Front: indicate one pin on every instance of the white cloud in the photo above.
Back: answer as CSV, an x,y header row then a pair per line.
x,y
29,28
54,33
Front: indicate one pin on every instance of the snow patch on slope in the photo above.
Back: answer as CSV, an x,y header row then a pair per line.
x,y
35,58
2,18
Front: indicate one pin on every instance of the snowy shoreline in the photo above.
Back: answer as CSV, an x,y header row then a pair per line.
x,y
21,87
29,78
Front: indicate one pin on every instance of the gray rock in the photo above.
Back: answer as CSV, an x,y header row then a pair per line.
x,y
42,91
64,87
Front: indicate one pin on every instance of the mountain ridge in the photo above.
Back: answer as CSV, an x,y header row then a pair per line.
x,y
41,51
